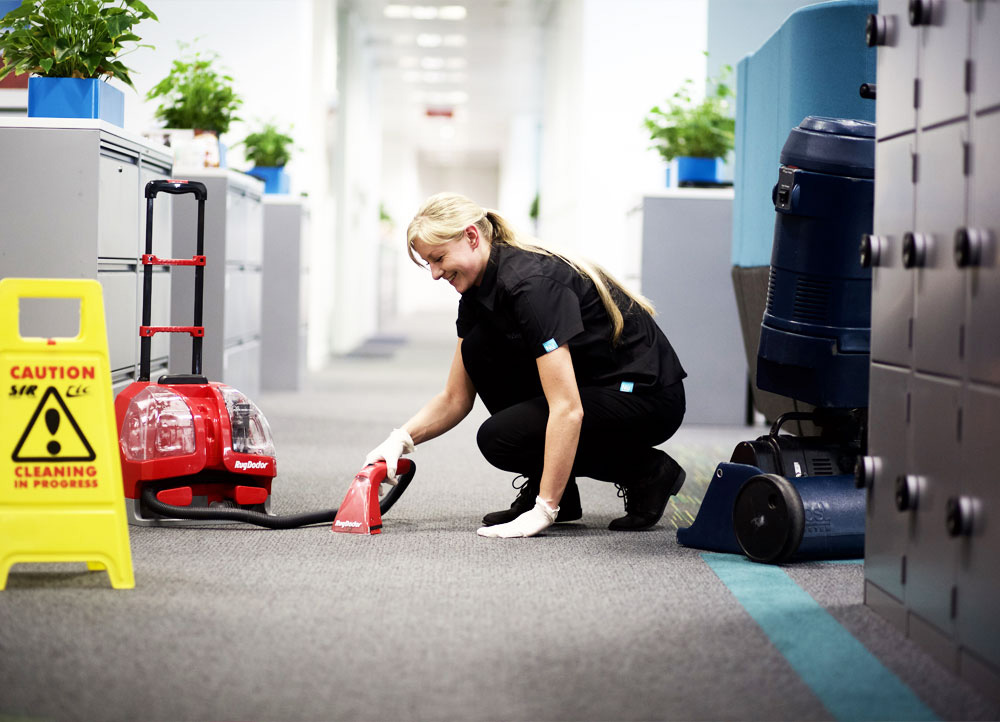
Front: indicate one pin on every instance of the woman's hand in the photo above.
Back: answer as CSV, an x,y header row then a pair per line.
x,y
397,444
531,522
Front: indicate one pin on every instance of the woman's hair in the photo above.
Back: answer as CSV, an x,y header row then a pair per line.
x,y
444,217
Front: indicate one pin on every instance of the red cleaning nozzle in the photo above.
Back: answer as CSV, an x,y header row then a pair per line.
x,y
360,513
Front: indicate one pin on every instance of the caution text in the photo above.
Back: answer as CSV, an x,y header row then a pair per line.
x,y
52,372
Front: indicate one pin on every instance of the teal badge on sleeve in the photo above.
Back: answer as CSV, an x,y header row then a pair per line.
x,y
550,345
627,387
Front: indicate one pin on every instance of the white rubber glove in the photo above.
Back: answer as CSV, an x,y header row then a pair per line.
x,y
397,444
537,519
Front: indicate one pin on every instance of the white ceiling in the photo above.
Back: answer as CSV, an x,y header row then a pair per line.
x,y
498,71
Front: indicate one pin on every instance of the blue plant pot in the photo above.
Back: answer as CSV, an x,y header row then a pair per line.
x,y
75,98
275,178
696,170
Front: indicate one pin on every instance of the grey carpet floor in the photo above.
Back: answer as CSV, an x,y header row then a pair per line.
x,y
425,621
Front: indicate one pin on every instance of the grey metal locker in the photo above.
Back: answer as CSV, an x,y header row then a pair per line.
x,y
75,213
940,196
232,317
892,284
119,286
243,305
983,269
986,56
285,301
684,277
977,514
944,52
950,579
241,366
897,58
159,345
162,241
932,476
885,543
118,177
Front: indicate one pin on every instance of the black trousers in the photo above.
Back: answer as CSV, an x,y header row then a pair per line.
x,y
619,429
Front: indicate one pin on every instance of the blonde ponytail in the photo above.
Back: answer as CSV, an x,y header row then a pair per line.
x,y
444,217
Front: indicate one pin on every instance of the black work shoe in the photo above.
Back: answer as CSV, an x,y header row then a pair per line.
x,y
569,505
646,499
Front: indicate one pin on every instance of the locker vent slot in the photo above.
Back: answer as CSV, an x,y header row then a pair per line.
x,y
812,301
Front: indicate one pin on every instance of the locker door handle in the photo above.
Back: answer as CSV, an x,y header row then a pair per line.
x,y
914,250
871,250
920,12
908,489
866,470
875,30
969,245
960,515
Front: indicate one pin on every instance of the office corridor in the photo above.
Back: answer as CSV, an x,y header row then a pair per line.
x,y
427,621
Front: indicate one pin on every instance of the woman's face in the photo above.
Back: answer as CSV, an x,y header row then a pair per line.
x,y
461,262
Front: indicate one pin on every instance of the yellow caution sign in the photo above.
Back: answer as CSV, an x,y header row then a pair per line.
x,y
61,496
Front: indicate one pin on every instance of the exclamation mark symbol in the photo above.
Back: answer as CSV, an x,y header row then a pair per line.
x,y
52,422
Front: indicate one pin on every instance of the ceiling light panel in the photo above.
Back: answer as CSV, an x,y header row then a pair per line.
x,y
397,12
452,12
425,12
429,40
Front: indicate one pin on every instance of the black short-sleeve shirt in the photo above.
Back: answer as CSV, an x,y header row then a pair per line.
x,y
538,303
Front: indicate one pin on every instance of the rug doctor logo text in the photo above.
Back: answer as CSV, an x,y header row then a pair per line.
x,y
246,465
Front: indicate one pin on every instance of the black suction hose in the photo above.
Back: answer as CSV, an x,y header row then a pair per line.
x,y
291,521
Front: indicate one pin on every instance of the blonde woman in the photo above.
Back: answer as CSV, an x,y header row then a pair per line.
x,y
577,377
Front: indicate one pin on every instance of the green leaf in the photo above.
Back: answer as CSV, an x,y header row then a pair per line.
x,y
702,129
141,7
118,24
77,38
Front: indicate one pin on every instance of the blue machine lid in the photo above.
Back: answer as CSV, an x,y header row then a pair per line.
x,y
839,126
838,146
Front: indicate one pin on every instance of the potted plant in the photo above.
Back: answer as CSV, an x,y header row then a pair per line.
x,y
697,134
200,99
70,47
269,150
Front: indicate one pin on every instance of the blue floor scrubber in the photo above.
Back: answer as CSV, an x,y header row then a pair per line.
x,y
784,497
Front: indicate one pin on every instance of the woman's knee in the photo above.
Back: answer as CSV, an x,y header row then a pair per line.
x,y
514,439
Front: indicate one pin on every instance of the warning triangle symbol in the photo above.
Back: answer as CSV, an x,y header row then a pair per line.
x,y
52,434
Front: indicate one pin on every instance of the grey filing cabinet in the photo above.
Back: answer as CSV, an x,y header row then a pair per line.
x,y
234,230
686,251
285,298
933,525
72,206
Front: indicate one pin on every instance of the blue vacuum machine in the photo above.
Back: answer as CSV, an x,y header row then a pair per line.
x,y
783,497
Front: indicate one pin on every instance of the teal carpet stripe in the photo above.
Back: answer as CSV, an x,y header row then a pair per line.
x,y
850,682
